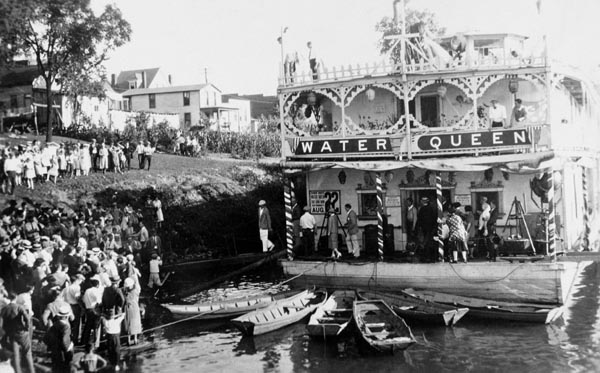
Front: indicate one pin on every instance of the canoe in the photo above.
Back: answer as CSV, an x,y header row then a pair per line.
x,y
281,313
415,309
226,308
332,318
485,309
380,328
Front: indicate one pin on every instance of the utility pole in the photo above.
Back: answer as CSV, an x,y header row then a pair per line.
x,y
205,75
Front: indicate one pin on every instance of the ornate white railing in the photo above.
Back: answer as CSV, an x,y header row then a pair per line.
x,y
339,73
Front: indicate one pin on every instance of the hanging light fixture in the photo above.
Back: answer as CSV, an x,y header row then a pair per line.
x,y
370,94
513,86
441,91
342,177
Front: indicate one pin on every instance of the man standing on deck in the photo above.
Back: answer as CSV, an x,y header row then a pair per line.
x,y
307,223
352,225
427,224
264,226
497,114
296,215
411,220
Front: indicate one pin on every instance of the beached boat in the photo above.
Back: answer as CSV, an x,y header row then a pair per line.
x,y
225,308
485,309
415,309
380,328
332,318
282,313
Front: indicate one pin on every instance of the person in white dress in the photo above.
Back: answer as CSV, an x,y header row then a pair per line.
x,y
159,213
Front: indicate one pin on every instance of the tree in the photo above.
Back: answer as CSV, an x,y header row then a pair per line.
x,y
66,37
13,20
77,82
414,20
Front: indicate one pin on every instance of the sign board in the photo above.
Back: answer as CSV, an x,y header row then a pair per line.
x,y
320,201
344,146
393,201
474,140
464,199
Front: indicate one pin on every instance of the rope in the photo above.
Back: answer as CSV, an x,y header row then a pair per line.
x,y
484,281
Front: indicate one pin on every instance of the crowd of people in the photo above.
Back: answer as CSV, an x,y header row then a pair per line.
x,y
32,163
74,276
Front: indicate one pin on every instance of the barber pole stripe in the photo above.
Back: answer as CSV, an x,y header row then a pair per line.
x,y
586,218
289,231
440,210
379,215
551,217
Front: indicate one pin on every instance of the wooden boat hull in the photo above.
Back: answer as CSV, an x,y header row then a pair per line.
x,y
227,308
540,282
380,328
484,309
280,314
333,317
417,310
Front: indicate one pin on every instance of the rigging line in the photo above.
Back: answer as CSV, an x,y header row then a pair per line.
x,y
484,281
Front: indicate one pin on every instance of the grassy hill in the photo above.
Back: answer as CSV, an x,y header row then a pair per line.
x,y
209,203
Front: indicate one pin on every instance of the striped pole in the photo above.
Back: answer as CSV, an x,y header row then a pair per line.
x,y
289,231
379,215
551,217
440,213
586,218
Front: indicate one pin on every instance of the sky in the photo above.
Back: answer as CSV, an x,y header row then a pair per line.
x,y
236,40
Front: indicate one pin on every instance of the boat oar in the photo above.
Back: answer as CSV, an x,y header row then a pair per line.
x,y
162,283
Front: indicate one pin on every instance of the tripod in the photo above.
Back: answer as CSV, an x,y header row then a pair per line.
x,y
324,230
519,217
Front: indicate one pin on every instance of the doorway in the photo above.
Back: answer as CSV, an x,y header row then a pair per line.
x,y
430,111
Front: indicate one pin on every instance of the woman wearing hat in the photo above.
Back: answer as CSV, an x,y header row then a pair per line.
x,y
133,319
332,232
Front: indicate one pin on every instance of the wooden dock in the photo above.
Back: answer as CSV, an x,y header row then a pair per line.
x,y
540,282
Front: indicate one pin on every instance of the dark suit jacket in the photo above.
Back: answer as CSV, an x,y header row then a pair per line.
x,y
264,219
352,221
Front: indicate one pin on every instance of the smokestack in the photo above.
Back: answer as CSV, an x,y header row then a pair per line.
x,y
113,80
170,80
143,80
397,12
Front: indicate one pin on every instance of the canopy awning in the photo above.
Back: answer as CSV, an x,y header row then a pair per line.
x,y
513,163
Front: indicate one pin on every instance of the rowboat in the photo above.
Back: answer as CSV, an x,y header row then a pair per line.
x,y
332,318
282,313
485,309
416,309
226,308
380,328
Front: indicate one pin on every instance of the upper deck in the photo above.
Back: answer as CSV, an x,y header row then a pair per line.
x,y
441,105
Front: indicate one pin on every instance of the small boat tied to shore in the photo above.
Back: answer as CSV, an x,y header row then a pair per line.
x,y
226,308
484,309
333,317
417,310
281,313
380,328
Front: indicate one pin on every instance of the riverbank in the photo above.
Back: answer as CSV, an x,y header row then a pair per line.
x,y
209,203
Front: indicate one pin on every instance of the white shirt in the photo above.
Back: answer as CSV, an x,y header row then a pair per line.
x,y
154,265
72,293
497,114
11,164
113,325
307,221
92,297
140,149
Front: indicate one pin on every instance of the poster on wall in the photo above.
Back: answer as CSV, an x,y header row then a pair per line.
x,y
393,201
464,199
322,200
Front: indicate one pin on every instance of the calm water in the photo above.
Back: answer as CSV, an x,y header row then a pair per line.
x,y
573,345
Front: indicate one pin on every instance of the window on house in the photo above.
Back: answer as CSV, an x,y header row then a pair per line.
x,y
215,98
152,101
207,98
132,85
187,120
95,107
186,98
14,101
